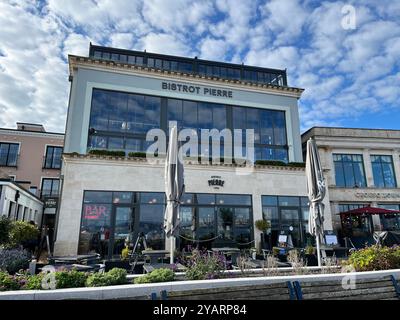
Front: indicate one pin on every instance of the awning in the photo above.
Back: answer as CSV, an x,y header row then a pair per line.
x,y
368,210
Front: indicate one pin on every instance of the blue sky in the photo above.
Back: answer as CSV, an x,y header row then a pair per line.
x,y
351,77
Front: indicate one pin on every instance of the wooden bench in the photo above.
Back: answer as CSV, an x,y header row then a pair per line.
x,y
385,288
279,291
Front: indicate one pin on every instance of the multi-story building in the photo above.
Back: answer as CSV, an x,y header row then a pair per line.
x,y
31,158
117,96
362,168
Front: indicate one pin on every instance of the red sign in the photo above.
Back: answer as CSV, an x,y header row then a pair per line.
x,y
95,212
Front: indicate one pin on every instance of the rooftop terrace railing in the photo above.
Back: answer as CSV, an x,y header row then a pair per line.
x,y
191,65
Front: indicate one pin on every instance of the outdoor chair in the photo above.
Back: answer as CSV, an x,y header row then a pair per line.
x,y
384,288
277,291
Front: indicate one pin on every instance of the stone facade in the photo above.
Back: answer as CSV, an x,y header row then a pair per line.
x,y
122,174
366,142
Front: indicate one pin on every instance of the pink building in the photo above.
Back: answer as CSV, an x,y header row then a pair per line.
x,y
31,158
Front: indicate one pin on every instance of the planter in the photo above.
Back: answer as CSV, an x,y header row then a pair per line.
x,y
123,264
311,260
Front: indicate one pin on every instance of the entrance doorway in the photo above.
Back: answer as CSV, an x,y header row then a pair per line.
x,y
122,228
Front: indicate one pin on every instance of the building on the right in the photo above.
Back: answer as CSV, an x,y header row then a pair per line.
x,y
361,168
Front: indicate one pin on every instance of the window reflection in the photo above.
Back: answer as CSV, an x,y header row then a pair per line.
x,y
120,121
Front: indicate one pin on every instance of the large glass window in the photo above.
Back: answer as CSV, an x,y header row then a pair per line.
x,y
53,157
269,126
287,214
349,170
120,121
8,154
383,171
50,187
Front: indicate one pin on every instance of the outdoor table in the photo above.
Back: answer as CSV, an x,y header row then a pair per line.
x,y
152,266
155,254
74,259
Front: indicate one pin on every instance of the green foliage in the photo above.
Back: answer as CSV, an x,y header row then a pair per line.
x,y
137,154
115,153
201,266
158,275
279,163
70,279
33,282
8,282
375,258
22,232
262,225
5,228
113,277
309,250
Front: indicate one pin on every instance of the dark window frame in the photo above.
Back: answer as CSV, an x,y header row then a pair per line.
x,y
51,194
53,164
8,161
353,162
380,162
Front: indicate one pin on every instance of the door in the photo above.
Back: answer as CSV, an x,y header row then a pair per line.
x,y
290,223
122,228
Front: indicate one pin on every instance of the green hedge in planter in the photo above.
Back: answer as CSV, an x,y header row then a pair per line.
x,y
279,163
70,279
137,154
114,153
375,258
113,277
158,275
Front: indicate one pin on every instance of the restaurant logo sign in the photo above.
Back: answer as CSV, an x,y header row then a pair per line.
x,y
377,195
199,90
50,202
216,182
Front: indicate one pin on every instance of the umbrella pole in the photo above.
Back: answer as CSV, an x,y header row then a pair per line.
x,y
318,251
171,259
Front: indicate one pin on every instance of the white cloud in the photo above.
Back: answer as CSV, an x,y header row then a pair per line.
x,y
163,43
213,49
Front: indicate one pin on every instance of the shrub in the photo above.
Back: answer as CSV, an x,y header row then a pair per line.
x,y
262,224
5,227
8,282
137,154
280,163
70,279
203,266
33,282
158,275
12,260
100,152
113,277
375,258
22,233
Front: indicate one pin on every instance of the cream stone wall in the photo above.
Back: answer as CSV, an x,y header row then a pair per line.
x,y
95,173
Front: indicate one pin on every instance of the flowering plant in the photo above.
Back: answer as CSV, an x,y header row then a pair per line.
x,y
202,265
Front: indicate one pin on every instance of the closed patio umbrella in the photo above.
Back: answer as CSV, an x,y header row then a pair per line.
x,y
174,189
316,192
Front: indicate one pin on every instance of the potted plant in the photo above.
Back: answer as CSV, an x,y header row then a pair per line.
x,y
310,256
262,225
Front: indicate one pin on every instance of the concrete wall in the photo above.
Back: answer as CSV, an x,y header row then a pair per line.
x,y
96,173
85,78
